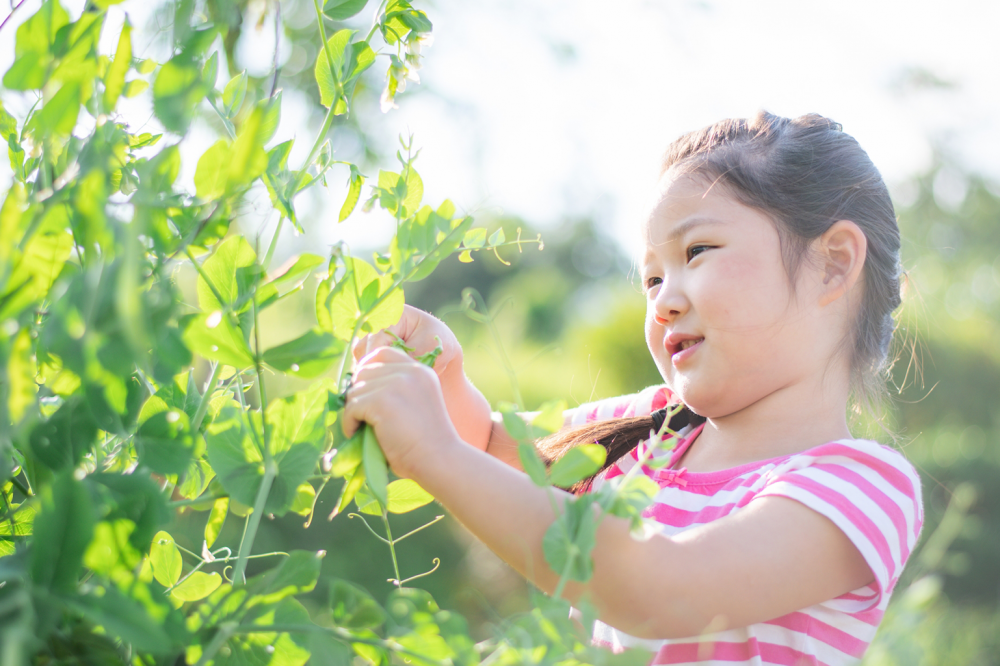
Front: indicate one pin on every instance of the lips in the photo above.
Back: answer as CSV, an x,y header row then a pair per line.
x,y
682,342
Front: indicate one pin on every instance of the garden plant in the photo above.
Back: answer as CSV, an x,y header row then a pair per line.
x,y
109,428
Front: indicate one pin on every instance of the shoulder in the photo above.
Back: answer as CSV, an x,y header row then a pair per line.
x,y
845,459
869,490
643,403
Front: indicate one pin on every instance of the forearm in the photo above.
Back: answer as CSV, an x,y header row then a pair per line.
x,y
507,512
468,409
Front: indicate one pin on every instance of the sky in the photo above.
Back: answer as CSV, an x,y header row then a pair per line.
x,y
560,109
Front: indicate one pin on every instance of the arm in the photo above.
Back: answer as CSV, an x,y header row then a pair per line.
x,y
774,557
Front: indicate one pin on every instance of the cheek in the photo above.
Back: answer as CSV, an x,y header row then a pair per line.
x,y
746,293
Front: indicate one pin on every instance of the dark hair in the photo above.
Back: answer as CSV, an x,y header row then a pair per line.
x,y
805,173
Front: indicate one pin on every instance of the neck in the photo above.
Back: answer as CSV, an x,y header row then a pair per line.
x,y
787,421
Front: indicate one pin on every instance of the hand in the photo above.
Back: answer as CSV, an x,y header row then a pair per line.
x,y
420,331
468,409
402,400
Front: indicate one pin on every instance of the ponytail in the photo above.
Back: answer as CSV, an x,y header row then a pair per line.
x,y
618,436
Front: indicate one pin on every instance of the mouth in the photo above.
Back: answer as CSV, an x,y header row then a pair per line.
x,y
683,345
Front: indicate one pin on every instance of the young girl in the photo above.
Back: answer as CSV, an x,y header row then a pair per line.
x,y
770,270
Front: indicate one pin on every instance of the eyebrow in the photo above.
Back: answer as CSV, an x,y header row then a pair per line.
x,y
683,228
689,224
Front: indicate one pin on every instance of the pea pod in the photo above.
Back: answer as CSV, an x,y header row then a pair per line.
x,y
376,470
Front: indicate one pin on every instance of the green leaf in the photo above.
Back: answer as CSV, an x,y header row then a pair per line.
x,y
21,387
296,574
63,529
59,114
475,238
38,33
177,90
339,10
366,503
353,194
248,157
353,608
197,586
19,522
532,464
358,292
550,417
308,355
114,80
305,496
328,79
235,92
578,463
416,20
165,559
295,422
210,72
406,495
164,442
348,456
68,434
497,238
212,172
296,274
351,488
514,424
216,519
213,337
376,470
232,271
138,624
135,87
570,539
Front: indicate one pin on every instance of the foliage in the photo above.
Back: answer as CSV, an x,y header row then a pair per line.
x,y
106,432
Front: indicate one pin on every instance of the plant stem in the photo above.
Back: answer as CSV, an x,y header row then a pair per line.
x,y
274,244
277,36
20,486
226,630
270,471
392,546
260,382
206,397
564,576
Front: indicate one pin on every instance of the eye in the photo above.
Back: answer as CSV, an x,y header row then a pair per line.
x,y
695,250
652,282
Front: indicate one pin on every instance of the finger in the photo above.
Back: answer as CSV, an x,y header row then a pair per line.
x,y
386,355
363,402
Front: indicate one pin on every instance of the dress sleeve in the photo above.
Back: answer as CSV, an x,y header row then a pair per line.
x,y
643,403
869,491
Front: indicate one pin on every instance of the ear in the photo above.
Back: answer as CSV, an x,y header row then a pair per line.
x,y
841,252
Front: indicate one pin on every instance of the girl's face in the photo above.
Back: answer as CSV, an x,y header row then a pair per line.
x,y
723,323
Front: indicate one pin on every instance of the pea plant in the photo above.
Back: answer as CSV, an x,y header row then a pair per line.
x,y
107,432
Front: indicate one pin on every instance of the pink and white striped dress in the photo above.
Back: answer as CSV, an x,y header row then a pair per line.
x,y
869,491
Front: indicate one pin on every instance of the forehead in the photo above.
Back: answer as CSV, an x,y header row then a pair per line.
x,y
683,201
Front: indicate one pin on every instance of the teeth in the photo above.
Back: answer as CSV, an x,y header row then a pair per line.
x,y
690,343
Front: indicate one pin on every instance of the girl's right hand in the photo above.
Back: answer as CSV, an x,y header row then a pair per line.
x,y
421,331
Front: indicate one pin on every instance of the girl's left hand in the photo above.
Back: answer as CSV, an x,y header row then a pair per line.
x,y
401,399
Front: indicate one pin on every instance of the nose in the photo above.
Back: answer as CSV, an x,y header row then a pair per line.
x,y
670,302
